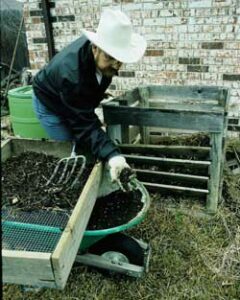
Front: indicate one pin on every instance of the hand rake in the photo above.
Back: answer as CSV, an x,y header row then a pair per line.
x,y
68,168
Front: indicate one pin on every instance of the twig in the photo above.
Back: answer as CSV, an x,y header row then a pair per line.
x,y
13,59
227,261
236,155
226,226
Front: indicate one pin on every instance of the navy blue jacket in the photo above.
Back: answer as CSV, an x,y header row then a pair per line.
x,y
68,87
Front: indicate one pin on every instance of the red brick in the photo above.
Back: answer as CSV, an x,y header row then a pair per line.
x,y
154,52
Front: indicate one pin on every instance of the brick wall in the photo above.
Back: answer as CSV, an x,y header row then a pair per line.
x,y
190,42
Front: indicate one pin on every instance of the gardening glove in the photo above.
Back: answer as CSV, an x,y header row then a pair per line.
x,y
126,182
116,165
121,172
107,186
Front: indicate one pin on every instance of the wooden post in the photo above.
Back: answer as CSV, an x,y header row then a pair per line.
x,y
129,99
115,131
224,100
215,172
125,138
144,95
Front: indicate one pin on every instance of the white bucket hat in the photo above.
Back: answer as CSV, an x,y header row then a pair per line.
x,y
115,37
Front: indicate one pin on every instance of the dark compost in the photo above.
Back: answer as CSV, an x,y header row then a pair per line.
x,y
24,188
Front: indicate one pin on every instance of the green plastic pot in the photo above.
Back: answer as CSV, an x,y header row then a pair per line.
x,y
92,236
24,121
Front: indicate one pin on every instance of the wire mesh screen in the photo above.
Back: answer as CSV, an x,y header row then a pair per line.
x,y
37,231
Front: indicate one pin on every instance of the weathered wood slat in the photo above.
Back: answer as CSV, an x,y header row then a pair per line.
x,y
69,243
157,135
233,120
144,95
114,131
181,93
158,161
129,133
100,262
27,268
124,102
232,127
192,120
174,189
129,97
187,105
57,148
200,152
6,149
192,92
149,174
215,172
182,101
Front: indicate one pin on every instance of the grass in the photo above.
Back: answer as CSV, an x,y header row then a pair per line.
x,y
192,257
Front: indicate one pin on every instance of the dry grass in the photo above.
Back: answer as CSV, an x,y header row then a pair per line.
x,y
192,257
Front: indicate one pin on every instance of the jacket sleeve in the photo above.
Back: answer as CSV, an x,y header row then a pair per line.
x,y
86,128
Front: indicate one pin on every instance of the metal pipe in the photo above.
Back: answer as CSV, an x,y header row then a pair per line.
x,y
48,28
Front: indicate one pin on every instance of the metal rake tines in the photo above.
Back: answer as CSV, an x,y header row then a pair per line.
x,y
65,170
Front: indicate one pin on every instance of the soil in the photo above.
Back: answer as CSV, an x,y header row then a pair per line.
x,y
24,188
115,209
24,179
196,139
170,168
126,175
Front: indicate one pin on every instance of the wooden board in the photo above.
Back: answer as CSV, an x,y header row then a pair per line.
x,y
144,102
158,161
174,189
215,172
183,93
31,268
146,175
192,120
56,148
200,152
6,149
232,127
189,105
64,255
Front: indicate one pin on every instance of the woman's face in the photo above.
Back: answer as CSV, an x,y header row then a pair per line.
x,y
108,65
